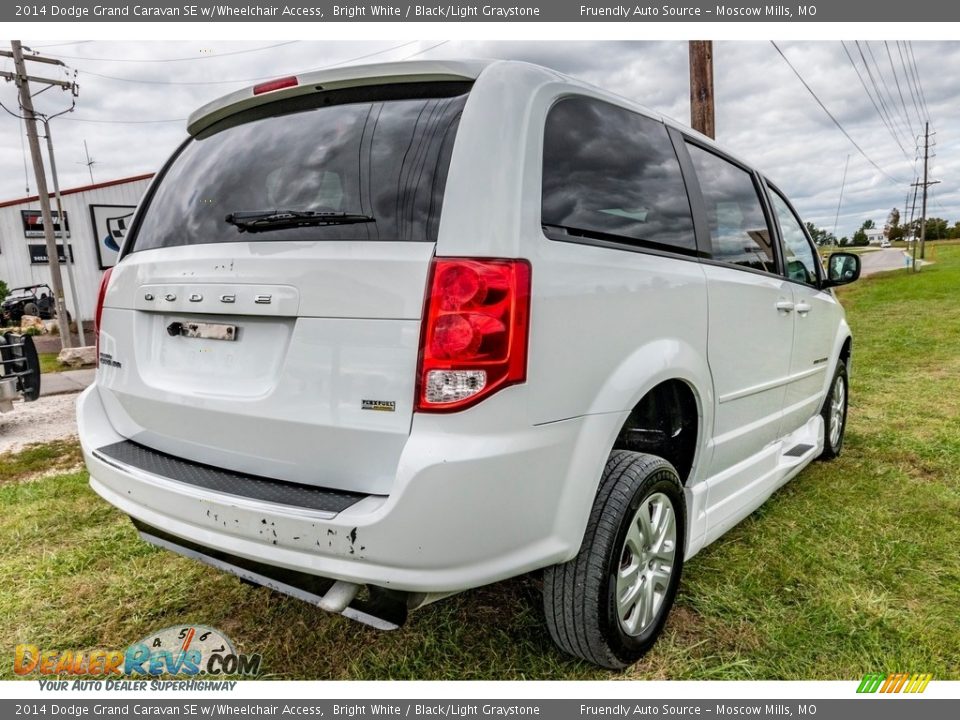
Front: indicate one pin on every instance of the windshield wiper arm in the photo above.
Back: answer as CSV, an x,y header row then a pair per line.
x,y
261,221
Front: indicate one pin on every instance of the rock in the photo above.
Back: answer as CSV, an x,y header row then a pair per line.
x,y
78,356
51,326
32,321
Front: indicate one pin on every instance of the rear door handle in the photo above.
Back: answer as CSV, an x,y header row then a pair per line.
x,y
803,308
785,306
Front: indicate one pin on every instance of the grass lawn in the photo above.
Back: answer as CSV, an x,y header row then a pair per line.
x,y
50,364
852,567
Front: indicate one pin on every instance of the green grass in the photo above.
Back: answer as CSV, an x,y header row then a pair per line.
x,y
50,364
852,567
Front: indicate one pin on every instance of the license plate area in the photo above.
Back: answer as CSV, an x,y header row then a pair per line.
x,y
203,331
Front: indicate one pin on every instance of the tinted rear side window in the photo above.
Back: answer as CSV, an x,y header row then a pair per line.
x,y
610,173
387,159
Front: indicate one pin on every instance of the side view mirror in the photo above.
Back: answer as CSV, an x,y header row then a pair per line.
x,y
842,268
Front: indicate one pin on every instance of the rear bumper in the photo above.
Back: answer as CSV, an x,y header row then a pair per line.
x,y
468,507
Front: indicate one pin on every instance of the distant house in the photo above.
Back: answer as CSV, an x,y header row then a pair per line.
x,y
875,235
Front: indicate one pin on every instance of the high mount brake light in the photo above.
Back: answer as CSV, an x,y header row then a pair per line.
x,y
475,328
277,84
101,294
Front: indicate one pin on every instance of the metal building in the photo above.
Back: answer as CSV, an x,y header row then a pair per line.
x,y
96,218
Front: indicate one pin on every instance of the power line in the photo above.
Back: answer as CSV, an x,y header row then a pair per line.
x,y
876,87
177,59
916,71
886,86
123,122
903,103
247,80
874,102
835,121
177,120
50,45
910,82
425,50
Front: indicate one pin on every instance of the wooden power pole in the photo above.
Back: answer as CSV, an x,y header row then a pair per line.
x,y
925,184
22,81
701,87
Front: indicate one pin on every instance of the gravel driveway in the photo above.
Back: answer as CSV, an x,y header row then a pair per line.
x,y
49,418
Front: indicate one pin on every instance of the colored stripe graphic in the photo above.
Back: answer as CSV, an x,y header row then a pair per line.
x,y
870,683
894,683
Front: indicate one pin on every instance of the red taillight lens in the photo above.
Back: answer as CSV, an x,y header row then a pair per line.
x,y
277,84
101,294
475,328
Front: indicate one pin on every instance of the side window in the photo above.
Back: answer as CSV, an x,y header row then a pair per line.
x,y
738,227
611,174
799,257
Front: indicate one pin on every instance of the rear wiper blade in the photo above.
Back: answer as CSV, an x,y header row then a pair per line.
x,y
261,221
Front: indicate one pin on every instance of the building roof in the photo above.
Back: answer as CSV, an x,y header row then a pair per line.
x,y
83,188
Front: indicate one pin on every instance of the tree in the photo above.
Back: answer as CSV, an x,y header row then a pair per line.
x,y
936,228
860,236
893,219
819,236
4,290
892,229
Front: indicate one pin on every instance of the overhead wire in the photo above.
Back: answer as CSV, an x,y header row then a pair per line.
x,y
876,107
836,122
876,87
176,59
916,72
903,103
234,81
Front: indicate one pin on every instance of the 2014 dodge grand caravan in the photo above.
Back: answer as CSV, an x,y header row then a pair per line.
x,y
381,334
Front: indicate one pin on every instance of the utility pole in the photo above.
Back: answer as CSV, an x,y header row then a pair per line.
x,y
67,255
701,87
22,81
836,219
925,184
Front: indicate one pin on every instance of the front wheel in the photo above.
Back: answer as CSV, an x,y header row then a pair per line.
x,y
608,605
834,413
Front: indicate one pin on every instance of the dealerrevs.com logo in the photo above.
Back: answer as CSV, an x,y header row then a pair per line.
x,y
894,683
179,650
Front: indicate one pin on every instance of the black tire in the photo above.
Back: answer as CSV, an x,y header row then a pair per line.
x,y
832,446
31,309
580,597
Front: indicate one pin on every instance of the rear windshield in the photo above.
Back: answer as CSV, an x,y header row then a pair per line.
x,y
357,153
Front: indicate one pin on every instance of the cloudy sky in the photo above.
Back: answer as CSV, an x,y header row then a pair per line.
x,y
134,98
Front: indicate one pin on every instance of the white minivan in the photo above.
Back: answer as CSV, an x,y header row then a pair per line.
x,y
381,334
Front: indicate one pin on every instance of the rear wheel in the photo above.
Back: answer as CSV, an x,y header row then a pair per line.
x,y
608,605
31,309
834,413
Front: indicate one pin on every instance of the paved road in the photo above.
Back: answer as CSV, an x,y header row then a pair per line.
x,y
881,261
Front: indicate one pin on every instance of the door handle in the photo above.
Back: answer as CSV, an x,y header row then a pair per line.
x,y
803,308
785,306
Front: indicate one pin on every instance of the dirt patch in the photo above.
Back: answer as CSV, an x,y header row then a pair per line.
x,y
49,418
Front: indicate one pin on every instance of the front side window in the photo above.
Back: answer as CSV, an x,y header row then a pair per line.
x,y
611,174
799,257
739,232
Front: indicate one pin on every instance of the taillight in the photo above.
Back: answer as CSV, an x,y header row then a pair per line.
x,y
475,327
101,294
277,84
